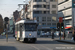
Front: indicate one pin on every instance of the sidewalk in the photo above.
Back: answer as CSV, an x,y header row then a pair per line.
x,y
2,37
65,41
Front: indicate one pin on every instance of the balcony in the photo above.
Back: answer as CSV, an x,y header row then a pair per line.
x,y
65,5
68,18
41,9
60,1
37,3
65,13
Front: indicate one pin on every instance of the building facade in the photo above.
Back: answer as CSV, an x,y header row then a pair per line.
x,y
1,24
45,12
16,15
65,11
11,25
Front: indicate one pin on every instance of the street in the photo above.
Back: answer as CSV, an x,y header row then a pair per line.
x,y
41,44
48,23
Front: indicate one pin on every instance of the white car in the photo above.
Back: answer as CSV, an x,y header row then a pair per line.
x,y
44,34
57,33
3,33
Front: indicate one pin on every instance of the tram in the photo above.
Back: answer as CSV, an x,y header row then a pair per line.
x,y
26,30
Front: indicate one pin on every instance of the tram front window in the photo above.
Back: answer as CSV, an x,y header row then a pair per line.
x,y
30,27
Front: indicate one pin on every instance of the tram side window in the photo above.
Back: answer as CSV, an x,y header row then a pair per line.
x,y
22,27
18,27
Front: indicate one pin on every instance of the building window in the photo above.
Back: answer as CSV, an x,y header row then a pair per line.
x,y
44,12
40,24
37,0
44,6
34,0
37,6
48,12
48,6
54,12
44,0
53,0
48,19
40,12
49,24
44,24
53,18
43,19
37,12
53,24
67,0
53,6
38,19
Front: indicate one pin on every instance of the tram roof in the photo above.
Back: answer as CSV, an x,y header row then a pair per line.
x,y
26,21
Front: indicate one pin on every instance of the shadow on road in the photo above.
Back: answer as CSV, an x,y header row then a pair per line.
x,y
47,42
7,48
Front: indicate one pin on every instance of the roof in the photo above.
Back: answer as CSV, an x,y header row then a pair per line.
x,y
26,21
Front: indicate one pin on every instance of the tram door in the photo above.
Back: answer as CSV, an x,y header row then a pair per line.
x,y
20,30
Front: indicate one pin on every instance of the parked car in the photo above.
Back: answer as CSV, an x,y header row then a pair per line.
x,y
57,33
49,33
3,33
68,34
44,34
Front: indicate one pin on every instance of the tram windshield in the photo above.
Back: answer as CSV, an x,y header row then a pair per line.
x,y
30,27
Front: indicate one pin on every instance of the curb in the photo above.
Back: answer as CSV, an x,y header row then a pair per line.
x,y
65,41
2,37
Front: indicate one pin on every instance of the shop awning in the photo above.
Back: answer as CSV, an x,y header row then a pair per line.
x,y
67,27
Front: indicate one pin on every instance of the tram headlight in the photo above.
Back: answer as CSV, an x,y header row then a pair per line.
x,y
30,34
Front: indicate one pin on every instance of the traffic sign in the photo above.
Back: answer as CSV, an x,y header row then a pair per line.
x,y
60,19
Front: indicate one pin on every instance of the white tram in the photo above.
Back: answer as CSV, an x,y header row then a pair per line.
x,y
26,31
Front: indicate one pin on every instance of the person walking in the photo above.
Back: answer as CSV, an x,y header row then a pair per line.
x,y
52,35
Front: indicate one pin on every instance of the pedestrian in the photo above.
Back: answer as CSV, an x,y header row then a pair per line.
x,y
52,35
74,36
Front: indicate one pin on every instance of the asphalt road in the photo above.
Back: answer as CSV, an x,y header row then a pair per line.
x,y
41,44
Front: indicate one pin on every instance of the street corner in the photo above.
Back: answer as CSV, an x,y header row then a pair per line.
x,y
64,48
2,37
66,41
8,48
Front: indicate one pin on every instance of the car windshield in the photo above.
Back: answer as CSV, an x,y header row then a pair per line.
x,y
30,27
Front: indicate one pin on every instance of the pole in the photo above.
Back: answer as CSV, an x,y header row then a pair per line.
x,y
64,24
60,31
64,33
7,32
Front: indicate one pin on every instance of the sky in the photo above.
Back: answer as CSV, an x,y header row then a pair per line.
x,y
7,7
